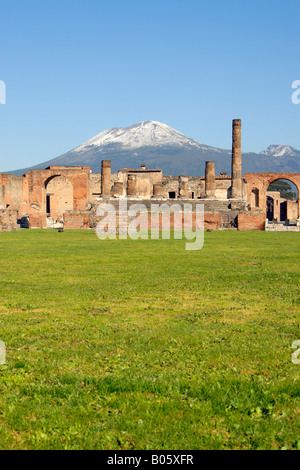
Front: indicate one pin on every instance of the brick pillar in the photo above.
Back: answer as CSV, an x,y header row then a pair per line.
x,y
131,186
210,180
236,174
106,178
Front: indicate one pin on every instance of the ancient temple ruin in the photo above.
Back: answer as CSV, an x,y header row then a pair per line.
x,y
68,196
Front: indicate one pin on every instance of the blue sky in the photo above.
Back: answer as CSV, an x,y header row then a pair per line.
x,y
74,68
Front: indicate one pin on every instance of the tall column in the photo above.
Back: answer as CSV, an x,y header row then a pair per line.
x,y
236,173
105,178
210,180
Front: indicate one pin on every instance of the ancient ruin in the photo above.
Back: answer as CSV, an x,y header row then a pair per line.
x,y
68,196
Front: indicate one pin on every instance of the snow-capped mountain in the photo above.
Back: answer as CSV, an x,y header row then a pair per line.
x,y
160,146
280,151
143,134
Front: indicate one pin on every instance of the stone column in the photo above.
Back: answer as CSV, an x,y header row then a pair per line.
x,y
210,180
183,187
236,174
131,186
117,189
106,178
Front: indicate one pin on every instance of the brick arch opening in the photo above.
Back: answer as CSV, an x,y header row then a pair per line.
x,y
280,208
58,196
287,177
261,183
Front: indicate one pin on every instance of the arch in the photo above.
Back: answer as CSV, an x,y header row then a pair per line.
x,y
47,181
280,208
283,176
58,196
261,182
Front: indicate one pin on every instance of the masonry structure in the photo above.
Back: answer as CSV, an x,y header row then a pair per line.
x,y
68,196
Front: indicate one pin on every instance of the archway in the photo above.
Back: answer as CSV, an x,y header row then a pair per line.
x,y
58,197
282,201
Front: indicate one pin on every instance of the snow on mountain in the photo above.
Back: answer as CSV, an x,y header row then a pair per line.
x,y
143,134
280,151
150,142
160,146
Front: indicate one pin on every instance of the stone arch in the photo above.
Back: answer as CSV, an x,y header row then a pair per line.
x,y
58,196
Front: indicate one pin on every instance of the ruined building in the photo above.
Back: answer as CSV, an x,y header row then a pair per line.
x,y
68,196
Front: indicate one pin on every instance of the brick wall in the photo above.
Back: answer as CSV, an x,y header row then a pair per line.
x,y
251,221
212,221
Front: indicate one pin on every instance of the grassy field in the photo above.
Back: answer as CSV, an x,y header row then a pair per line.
x,y
143,345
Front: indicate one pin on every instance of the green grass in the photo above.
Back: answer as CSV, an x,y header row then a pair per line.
x,y
143,345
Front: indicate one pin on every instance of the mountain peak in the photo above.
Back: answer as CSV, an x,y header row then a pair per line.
x,y
160,146
142,134
280,151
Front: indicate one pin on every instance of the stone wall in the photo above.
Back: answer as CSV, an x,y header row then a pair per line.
x,y
94,186
139,182
8,221
11,191
196,186
292,210
77,220
211,221
215,212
